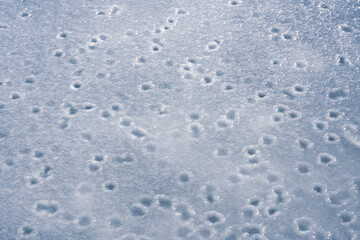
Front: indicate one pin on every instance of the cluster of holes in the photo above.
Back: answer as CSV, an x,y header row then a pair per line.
x,y
45,173
124,158
279,195
32,181
47,208
275,34
71,109
170,22
209,194
93,41
337,93
338,197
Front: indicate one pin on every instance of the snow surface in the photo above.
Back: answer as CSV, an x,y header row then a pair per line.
x,y
180,119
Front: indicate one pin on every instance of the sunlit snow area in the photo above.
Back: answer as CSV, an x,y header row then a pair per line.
x,y
180,119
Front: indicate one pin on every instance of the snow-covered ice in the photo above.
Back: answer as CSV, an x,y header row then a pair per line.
x,y
180,119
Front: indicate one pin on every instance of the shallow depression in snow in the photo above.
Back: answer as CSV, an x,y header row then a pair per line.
x,y
179,120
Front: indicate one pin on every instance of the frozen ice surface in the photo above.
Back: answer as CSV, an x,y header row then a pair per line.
x,y
180,119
